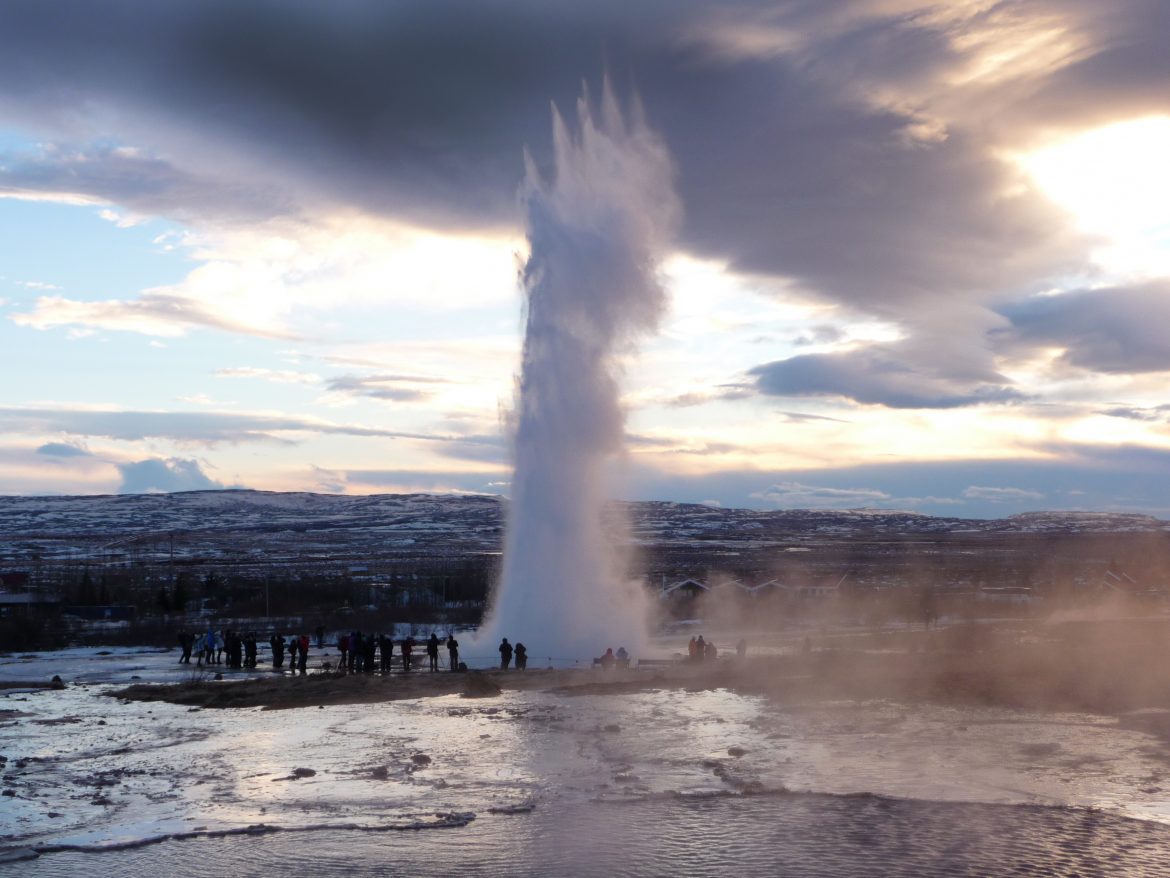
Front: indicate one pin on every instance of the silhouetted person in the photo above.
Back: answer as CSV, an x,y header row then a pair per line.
x,y
433,651
700,649
453,651
709,651
608,659
386,647
320,632
276,641
521,656
294,649
371,647
505,654
407,649
303,662
186,641
623,657
692,650
343,648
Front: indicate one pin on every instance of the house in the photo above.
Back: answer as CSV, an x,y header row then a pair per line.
x,y
25,604
688,589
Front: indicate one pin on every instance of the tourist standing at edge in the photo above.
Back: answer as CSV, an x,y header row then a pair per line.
x,y
521,656
505,654
453,651
433,651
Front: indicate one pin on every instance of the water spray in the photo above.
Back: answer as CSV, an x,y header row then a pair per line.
x,y
596,233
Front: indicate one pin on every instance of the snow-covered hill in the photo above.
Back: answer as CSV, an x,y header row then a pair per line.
x,y
287,526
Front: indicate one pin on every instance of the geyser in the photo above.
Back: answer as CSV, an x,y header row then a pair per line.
x,y
596,232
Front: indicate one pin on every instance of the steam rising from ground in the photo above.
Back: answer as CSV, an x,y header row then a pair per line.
x,y
596,233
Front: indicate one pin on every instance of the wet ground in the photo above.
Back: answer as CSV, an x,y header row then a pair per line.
x,y
536,782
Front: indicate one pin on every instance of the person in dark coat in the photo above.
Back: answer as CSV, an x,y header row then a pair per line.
x,y
276,641
453,651
407,648
386,647
505,654
186,641
521,656
433,651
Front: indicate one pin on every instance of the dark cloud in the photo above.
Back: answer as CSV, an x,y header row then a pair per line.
x,y
420,109
1153,413
878,376
156,475
393,388
1117,330
62,449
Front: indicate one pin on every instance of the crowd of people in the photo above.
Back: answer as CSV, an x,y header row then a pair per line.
x,y
375,652
359,653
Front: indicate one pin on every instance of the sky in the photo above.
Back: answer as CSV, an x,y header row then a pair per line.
x,y
923,262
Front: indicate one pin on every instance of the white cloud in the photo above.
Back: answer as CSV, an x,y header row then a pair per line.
x,y
1000,495
797,495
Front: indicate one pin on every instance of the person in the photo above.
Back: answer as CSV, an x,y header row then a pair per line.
x,y
433,651
709,651
505,654
407,649
623,657
692,650
741,648
320,636
453,651
276,641
700,649
386,646
371,647
304,660
185,643
343,648
294,648
608,659
521,656
357,652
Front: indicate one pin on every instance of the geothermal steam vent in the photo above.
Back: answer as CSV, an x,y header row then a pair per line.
x,y
596,234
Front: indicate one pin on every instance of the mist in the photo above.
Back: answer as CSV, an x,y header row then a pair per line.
x,y
596,233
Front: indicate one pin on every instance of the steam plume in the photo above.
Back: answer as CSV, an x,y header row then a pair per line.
x,y
596,233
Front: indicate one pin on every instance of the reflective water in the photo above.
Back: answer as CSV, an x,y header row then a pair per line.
x,y
660,782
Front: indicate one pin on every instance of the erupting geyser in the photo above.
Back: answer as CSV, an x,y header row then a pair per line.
x,y
596,234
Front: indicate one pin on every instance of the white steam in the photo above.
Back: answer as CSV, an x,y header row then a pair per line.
x,y
596,234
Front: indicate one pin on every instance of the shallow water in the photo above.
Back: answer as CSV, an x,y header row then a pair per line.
x,y
662,782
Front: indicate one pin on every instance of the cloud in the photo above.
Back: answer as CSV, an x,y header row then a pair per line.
x,y
150,314
880,375
207,428
1154,414
157,475
1068,477
829,146
62,449
1110,330
1000,495
392,388
277,376
795,495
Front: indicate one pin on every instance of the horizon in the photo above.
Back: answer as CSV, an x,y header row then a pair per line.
x,y
923,262
503,498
